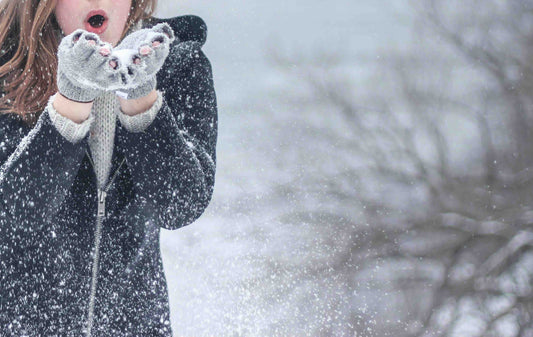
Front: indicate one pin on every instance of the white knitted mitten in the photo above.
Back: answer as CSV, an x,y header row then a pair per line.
x,y
138,58
83,70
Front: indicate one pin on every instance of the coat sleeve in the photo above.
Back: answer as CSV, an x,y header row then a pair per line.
x,y
172,162
38,167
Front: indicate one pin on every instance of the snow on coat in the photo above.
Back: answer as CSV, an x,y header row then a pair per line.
x,y
48,208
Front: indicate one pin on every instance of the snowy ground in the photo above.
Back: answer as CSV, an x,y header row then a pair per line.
x,y
220,269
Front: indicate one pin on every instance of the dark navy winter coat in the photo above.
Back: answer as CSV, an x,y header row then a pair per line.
x,y
48,207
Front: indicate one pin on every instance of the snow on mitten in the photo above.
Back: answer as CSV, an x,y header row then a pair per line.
x,y
83,71
138,58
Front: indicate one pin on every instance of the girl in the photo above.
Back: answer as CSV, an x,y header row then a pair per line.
x,y
107,134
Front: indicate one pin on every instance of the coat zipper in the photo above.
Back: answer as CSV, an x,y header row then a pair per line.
x,y
100,216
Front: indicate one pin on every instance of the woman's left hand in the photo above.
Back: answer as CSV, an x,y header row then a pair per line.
x,y
138,58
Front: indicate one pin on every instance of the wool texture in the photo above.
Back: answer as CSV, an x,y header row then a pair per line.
x,y
101,124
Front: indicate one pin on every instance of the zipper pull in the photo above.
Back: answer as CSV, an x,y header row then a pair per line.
x,y
101,202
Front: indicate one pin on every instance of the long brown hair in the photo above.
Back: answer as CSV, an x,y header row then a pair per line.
x,y
29,37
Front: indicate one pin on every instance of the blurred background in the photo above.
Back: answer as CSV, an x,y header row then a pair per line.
x,y
374,171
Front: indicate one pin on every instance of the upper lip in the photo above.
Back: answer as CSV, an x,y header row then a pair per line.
x,y
96,12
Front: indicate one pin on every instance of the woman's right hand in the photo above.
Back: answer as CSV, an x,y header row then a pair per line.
x,y
84,69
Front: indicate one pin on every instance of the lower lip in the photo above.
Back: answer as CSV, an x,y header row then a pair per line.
x,y
95,30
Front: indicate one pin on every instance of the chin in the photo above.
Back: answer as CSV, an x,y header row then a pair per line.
x,y
112,41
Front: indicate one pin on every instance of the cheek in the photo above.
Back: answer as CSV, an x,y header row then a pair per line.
x,y
119,15
66,15
122,9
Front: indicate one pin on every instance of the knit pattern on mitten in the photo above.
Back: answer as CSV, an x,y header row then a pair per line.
x,y
83,69
138,58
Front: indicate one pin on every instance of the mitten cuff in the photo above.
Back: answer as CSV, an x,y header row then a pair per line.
x,y
67,89
69,129
142,90
140,122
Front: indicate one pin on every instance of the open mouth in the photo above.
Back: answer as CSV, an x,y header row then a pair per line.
x,y
96,21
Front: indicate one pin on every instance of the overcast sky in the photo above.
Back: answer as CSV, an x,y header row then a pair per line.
x,y
240,31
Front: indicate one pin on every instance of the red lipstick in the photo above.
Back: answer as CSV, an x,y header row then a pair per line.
x,y
96,21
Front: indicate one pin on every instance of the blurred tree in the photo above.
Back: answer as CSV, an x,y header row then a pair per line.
x,y
428,172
